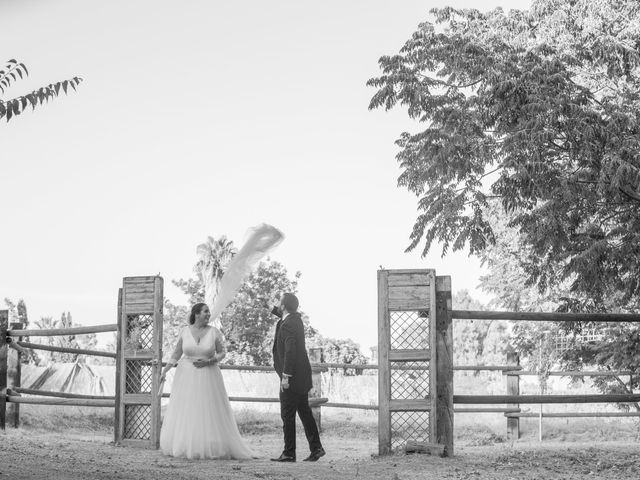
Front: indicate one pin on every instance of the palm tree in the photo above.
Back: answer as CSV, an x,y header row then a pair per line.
x,y
15,106
213,257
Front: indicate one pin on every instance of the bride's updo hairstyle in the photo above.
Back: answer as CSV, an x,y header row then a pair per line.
x,y
195,310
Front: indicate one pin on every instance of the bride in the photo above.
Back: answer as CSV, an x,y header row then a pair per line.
x,y
199,422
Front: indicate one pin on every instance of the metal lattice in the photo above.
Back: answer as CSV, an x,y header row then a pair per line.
x,y
140,331
410,380
407,426
137,422
139,376
409,329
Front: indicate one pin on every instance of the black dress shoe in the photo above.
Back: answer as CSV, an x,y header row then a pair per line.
x,y
284,458
315,455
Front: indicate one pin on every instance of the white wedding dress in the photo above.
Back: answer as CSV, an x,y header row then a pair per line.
x,y
199,422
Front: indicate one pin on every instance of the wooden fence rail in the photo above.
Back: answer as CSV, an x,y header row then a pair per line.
x,y
78,351
545,317
54,332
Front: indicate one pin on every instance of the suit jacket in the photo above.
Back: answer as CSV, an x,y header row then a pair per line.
x,y
290,353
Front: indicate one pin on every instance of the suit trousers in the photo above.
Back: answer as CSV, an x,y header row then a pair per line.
x,y
290,403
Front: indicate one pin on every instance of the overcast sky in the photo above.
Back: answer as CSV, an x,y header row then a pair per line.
x,y
200,118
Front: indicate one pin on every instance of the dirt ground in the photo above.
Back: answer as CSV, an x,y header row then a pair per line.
x,y
29,454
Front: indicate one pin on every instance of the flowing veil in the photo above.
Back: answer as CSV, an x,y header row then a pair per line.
x,y
261,240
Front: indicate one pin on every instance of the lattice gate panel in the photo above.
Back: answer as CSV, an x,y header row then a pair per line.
x,y
139,361
406,358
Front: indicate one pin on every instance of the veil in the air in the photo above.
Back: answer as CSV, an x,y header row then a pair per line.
x,y
261,240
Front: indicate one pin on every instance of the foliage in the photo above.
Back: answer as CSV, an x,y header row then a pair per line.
x,y
18,313
478,342
247,323
338,350
539,109
15,106
84,341
538,342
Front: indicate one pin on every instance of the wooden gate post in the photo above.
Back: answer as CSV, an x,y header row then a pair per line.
x,y
407,370
315,356
117,428
444,358
513,388
14,371
139,362
384,380
4,347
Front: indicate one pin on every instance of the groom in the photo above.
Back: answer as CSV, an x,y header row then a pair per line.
x,y
291,362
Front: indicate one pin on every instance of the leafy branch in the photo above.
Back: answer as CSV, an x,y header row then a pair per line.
x,y
13,71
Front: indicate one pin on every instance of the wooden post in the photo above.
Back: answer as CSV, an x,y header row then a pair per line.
x,y
117,425
513,388
156,398
4,347
14,371
315,356
384,380
444,359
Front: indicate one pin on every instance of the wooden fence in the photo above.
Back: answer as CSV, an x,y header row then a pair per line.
x,y
12,394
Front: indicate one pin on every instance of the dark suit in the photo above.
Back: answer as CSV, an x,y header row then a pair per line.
x,y
290,357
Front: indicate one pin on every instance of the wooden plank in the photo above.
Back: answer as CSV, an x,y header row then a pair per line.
x,y
486,410
158,299
410,355
444,361
434,371
406,279
356,406
423,447
408,305
141,279
139,309
315,355
384,374
136,398
4,352
47,393
74,402
513,388
117,426
409,298
141,287
79,351
574,373
544,399
546,317
51,332
412,405
488,368
572,414
120,365
14,373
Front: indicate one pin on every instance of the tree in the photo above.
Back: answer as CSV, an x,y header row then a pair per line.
x,y
539,109
246,323
18,313
339,350
84,341
478,342
15,106
538,343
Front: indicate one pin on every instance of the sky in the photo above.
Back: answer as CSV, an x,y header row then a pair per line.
x,y
200,118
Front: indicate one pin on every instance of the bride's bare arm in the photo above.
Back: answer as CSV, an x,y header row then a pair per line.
x,y
221,350
175,356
